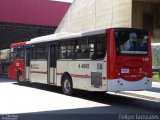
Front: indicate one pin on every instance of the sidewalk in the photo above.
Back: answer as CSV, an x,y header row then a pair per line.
x,y
152,94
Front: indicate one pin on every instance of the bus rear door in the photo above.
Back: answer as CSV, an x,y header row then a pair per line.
x,y
52,64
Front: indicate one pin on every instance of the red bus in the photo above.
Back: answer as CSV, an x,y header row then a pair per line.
x,y
17,60
116,59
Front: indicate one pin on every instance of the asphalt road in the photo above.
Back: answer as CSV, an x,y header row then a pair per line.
x,y
41,100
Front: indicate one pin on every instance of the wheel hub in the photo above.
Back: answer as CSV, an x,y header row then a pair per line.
x,y
67,85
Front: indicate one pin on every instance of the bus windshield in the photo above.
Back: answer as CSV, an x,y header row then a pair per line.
x,y
133,42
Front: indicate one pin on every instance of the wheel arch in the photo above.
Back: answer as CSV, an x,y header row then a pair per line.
x,y
66,74
19,71
22,80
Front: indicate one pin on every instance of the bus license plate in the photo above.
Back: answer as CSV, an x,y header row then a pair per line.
x,y
124,70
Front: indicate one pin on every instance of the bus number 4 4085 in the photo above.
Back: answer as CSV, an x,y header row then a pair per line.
x,y
85,66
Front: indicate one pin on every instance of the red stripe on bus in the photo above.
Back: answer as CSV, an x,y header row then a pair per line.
x,y
59,73
39,72
81,76
75,75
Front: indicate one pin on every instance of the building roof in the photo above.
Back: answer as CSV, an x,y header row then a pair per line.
x,y
36,12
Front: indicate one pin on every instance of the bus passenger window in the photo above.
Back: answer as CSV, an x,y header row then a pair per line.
x,y
78,52
97,45
100,50
82,49
70,50
63,50
86,53
100,47
92,48
41,51
85,50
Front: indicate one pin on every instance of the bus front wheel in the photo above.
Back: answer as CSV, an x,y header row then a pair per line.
x,y
20,78
67,86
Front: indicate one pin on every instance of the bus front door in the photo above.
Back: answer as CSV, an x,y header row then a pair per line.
x,y
52,64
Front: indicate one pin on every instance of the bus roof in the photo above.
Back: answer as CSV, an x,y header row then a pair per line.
x,y
63,35
60,36
18,44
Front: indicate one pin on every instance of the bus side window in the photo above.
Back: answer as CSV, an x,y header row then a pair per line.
x,y
63,50
70,50
82,49
100,47
20,52
78,51
91,47
97,45
85,48
41,51
13,53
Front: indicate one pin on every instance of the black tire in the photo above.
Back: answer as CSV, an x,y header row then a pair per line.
x,y
67,85
20,78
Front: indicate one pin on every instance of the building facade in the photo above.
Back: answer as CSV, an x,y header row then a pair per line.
x,y
94,14
22,20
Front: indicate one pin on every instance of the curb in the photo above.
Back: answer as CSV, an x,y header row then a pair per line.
x,y
140,96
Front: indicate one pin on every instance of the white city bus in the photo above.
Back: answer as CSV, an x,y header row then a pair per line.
x,y
100,60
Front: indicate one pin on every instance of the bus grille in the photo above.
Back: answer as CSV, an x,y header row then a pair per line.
x,y
96,79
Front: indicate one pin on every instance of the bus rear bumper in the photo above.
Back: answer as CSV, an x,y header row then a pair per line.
x,y
117,85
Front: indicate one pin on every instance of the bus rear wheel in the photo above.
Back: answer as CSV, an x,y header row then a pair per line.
x,y
20,78
67,86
